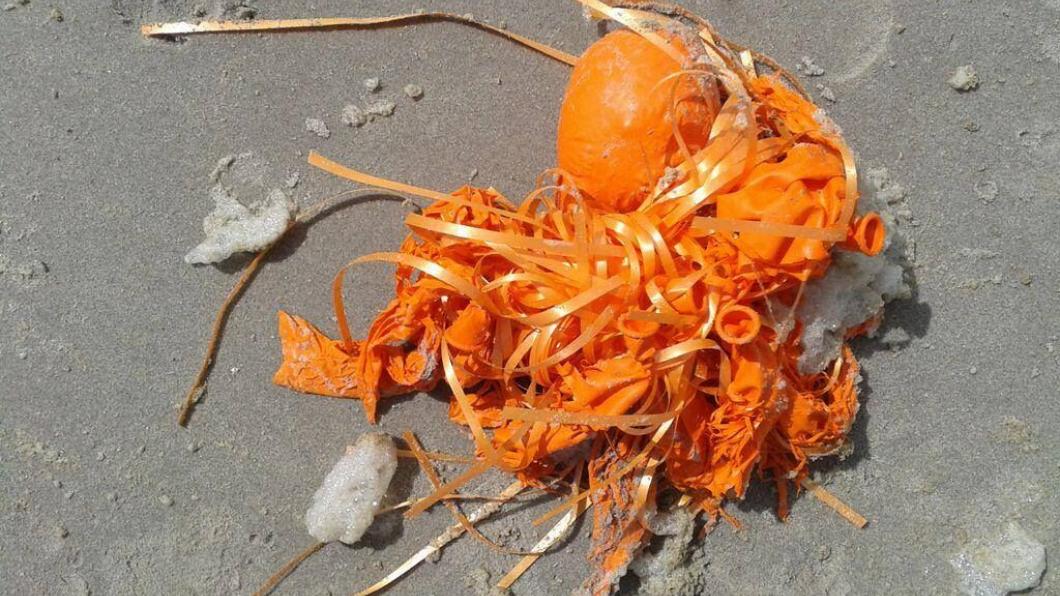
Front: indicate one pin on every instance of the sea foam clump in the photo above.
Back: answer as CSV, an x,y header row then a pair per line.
x,y
1010,562
346,503
233,227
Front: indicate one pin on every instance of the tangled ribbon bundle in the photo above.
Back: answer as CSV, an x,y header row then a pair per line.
x,y
629,327
658,346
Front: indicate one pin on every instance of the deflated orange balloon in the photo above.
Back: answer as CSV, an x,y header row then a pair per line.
x,y
615,134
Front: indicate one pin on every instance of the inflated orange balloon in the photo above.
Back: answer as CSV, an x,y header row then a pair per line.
x,y
615,134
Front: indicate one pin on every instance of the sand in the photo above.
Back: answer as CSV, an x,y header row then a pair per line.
x,y
107,141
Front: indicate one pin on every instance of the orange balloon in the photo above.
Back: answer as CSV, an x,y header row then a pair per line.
x,y
615,136
737,324
868,234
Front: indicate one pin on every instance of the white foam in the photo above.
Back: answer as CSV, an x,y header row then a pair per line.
x,y
345,504
354,116
856,286
964,78
1010,562
233,227
317,127
380,107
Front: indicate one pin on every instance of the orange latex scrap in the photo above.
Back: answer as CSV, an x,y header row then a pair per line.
x,y
632,320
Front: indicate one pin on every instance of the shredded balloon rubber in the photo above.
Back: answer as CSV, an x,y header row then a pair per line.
x,y
629,328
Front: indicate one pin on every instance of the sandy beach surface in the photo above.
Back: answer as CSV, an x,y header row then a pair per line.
x,y
107,145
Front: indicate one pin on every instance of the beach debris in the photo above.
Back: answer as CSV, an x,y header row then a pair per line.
x,y
317,127
372,84
357,116
827,93
353,115
885,187
233,227
637,326
851,293
604,180
413,91
347,501
856,287
383,108
964,78
809,68
1011,561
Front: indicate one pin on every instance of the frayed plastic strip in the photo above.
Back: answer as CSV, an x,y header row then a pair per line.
x,y
186,28
704,226
597,421
461,519
451,534
558,532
